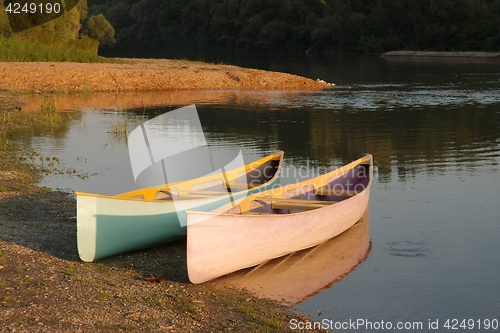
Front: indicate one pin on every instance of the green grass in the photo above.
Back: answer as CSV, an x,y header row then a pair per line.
x,y
126,327
119,126
86,92
70,271
14,49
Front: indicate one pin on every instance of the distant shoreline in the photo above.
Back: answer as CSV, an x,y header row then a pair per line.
x,y
444,55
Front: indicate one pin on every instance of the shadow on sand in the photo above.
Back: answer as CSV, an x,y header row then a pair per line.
x,y
46,222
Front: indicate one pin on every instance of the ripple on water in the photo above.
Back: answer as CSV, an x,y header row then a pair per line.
x,y
370,97
408,249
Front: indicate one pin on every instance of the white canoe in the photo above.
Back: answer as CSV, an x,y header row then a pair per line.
x,y
277,222
109,225
295,277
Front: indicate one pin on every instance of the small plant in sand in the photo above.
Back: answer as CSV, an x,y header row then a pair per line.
x,y
87,92
49,113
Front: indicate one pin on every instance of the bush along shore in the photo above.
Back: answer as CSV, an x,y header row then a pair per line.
x,y
44,287
16,49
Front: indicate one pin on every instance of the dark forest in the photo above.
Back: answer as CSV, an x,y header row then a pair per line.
x,y
305,25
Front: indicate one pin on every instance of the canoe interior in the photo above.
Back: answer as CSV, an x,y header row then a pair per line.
x,y
308,197
244,181
248,178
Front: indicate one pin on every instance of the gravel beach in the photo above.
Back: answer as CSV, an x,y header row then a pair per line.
x,y
44,287
145,75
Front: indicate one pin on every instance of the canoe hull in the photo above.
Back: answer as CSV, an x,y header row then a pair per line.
x,y
295,277
110,225
218,244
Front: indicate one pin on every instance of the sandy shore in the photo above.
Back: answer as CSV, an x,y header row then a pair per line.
x,y
44,287
444,55
145,75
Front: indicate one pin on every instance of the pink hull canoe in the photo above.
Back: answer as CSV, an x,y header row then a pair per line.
x,y
297,276
277,222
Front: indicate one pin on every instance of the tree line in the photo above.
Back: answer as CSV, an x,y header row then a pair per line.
x,y
305,25
73,26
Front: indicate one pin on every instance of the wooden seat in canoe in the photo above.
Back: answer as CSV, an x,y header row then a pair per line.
x,y
240,186
335,192
296,204
198,194
187,194
237,186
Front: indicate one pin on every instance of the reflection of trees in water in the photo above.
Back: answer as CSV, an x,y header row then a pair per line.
x,y
411,140
407,141
47,121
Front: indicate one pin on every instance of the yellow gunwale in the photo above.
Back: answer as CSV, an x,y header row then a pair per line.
x,y
150,192
277,192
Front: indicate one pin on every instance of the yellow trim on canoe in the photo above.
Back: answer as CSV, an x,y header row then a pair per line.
x,y
149,194
317,182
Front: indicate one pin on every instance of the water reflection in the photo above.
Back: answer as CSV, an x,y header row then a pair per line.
x,y
297,276
405,142
147,100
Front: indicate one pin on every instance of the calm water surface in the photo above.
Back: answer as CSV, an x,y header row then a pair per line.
x,y
431,250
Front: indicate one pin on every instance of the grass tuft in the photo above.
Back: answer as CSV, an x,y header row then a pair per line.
x,y
119,126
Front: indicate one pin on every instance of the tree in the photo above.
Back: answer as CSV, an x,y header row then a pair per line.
x,y
66,27
99,28
299,25
5,29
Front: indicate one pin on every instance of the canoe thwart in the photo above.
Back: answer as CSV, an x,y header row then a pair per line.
x,y
201,192
187,194
335,192
295,204
303,201
240,186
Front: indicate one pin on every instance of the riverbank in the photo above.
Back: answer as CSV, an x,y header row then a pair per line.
x,y
444,55
45,287
144,75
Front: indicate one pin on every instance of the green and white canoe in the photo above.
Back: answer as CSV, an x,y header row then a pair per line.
x,y
110,225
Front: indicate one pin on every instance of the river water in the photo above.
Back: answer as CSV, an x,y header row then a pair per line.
x,y
427,250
